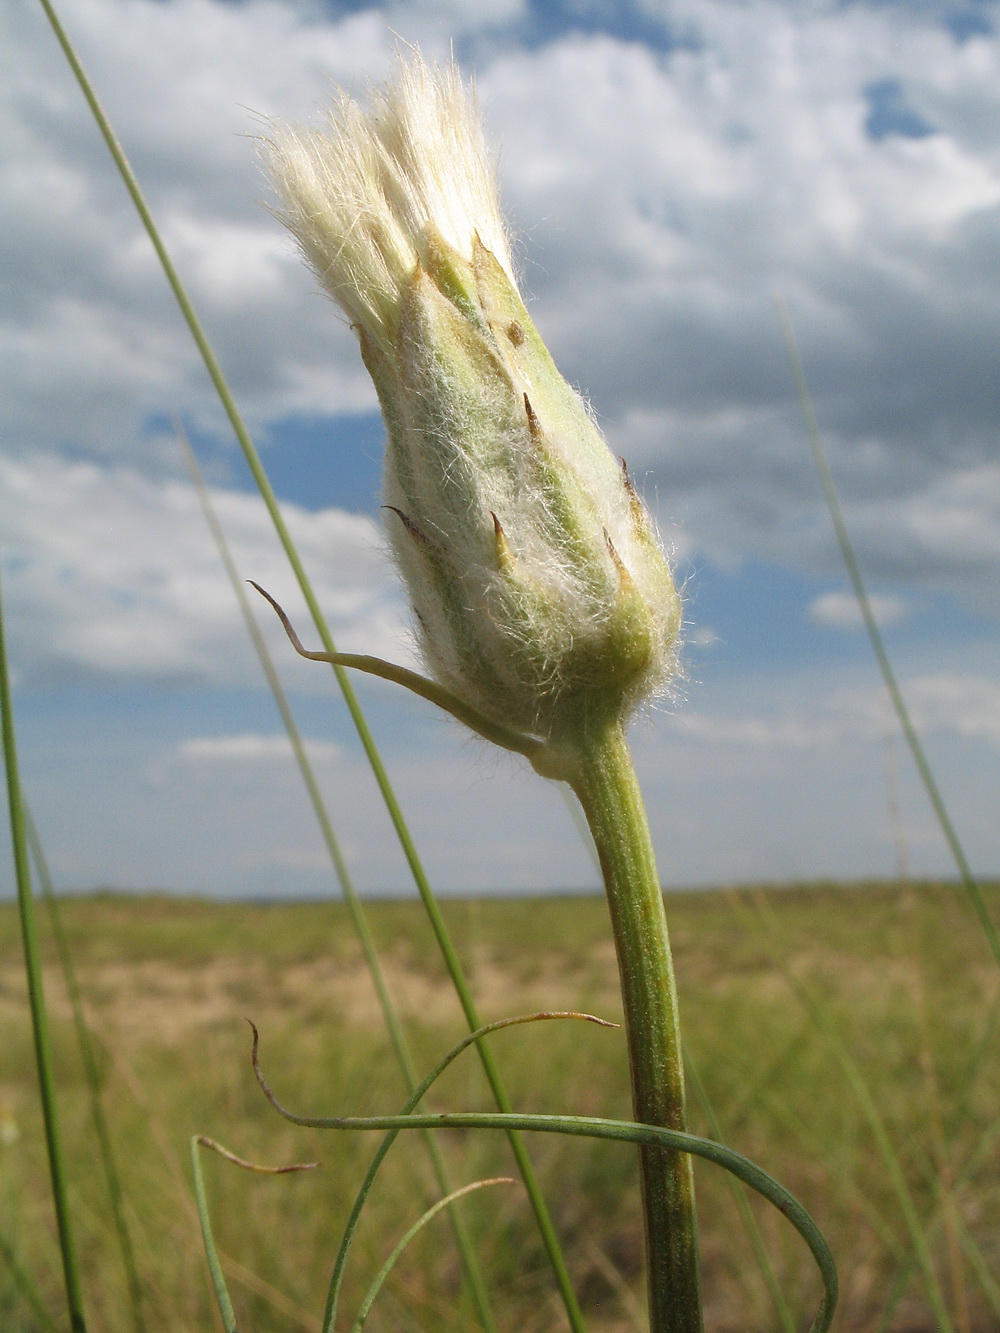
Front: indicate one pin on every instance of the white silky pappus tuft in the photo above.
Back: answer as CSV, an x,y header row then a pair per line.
x,y
358,192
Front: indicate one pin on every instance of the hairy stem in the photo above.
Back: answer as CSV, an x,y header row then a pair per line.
x,y
612,802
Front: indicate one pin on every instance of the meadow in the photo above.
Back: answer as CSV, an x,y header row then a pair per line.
x,y
841,1036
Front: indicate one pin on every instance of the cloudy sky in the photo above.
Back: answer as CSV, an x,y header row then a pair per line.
x,y
669,167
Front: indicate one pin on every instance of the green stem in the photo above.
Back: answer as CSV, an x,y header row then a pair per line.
x,y
36,1000
612,802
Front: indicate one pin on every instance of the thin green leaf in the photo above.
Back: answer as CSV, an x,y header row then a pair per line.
x,y
985,1275
418,1226
25,1286
205,1142
211,1253
415,1100
785,1315
92,1076
624,1131
36,1000
430,690
951,837
907,1266
857,1083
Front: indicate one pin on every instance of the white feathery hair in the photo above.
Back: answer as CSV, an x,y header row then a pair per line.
x,y
358,193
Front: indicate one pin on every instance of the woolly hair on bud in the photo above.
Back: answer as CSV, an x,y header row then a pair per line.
x,y
359,193
540,593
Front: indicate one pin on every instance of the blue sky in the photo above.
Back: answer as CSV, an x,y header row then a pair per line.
x,y
669,168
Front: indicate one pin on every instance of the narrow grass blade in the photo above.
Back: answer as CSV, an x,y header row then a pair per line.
x,y
621,1131
785,1316
36,999
540,1208
222,1298
418,1226
946,1218
941,1157
359,920
256,1167
906,1269
878,646
985,1276
91,1074
26,1287
414,1102
855,1080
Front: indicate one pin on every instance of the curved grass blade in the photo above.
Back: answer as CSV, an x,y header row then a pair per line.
x,y
91,1074
36,1000
418,1226
951,837
359,920
543,1217
622,1131
205,1142
26,1287
627,1131
223,1301
416,1097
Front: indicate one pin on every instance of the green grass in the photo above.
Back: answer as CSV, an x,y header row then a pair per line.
x,y
903,975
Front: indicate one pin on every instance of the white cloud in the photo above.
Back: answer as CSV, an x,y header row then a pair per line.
x,y
92,340
840,610
250,747
111,573
678,193
665,197
953,704
795,732
967,705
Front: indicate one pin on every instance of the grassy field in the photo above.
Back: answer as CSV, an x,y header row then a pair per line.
x,y
844,1037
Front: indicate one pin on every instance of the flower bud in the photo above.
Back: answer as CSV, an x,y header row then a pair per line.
x,y
541,594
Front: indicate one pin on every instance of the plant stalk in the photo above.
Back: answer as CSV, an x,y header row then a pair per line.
x,y
36,1001
608,790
